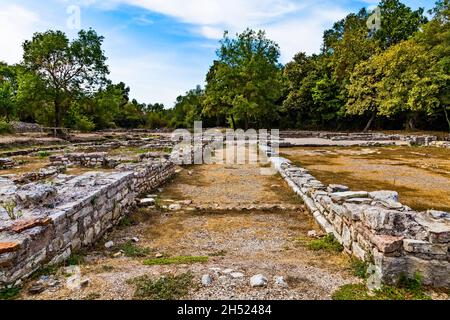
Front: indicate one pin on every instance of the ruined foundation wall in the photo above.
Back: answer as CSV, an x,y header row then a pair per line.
x,y
376,227
49,236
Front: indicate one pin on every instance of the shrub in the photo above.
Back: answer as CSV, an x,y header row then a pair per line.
x,y
327,243
5,126
9,293
43,154
133,251
359,268
10,208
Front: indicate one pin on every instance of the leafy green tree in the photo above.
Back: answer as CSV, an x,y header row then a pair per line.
x,y
435,37
68,68
398,22
245,83
8,89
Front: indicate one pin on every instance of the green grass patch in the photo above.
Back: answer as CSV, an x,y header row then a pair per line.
x,y
45,271
169,287
406,289
126,222
359,268
175,260
132,250
9,293
75,260
43,154
326,243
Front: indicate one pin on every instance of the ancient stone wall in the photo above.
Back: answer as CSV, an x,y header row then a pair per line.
x,y
376,227
370,137
54,220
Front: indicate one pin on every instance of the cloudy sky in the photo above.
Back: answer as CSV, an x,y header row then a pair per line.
x,y
162,48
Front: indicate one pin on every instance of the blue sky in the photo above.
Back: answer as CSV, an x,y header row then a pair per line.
x,y
162,48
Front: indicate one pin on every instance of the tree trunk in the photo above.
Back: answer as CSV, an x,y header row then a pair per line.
x,y
57,113
233,122
410,123
369,124
446,117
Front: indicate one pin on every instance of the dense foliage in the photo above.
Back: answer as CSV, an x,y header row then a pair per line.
x,y
396,77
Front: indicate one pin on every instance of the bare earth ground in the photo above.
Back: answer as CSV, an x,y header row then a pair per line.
x,y
250,242
421,175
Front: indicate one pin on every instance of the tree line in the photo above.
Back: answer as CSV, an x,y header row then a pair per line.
x,y
394,77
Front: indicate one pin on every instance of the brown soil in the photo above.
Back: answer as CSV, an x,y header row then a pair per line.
x,y
420,175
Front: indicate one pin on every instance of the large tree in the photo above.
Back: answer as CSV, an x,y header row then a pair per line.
x,y
8,89
398,22
68,68
245,83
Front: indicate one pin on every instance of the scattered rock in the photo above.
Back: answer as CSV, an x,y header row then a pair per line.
x,y
117,254
36,288
84,283
279,281
237,275
258,281
147,202
312,234
227,271
206,280
175,207
74,282
109,244
70,270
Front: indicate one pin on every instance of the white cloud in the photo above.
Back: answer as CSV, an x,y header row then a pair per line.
x,y
303,34
294,25
17,24
231,13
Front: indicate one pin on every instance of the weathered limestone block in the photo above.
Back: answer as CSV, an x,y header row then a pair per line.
x,y
378,218
337,223
390,268
387,244
359,201
345,195
358,251
419,246
353,211
346,237
433,272
332,188
34,194
438,230
384,195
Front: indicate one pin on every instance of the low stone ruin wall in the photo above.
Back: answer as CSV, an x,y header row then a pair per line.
x,y
419,140
376,227
90,160
54,220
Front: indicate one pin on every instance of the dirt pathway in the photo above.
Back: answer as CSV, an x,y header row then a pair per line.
x,y
238,222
